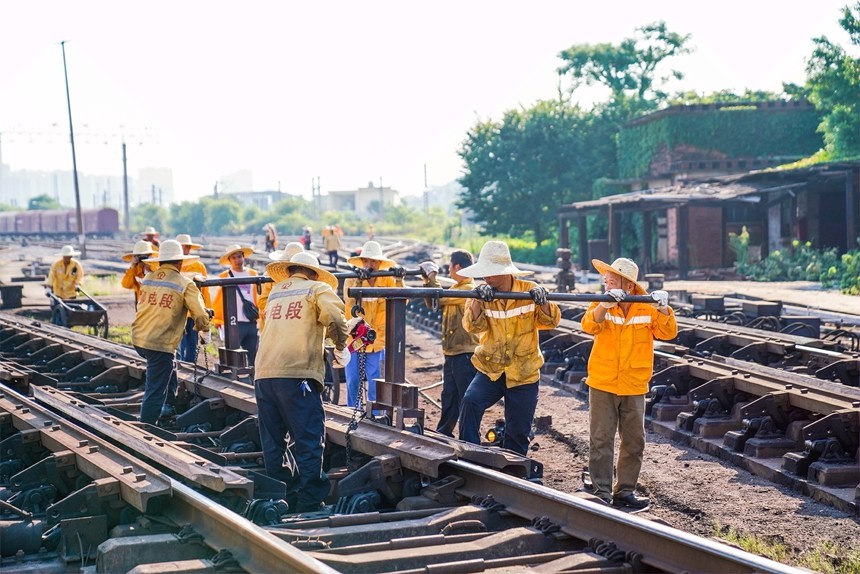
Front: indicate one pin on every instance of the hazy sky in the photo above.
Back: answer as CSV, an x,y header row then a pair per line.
x,y
348,91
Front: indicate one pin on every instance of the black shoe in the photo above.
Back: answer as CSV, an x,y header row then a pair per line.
x,y
631,501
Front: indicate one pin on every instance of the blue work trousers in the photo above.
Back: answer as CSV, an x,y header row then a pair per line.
x,y
457,372
160,387
188,344
373,369
520,404
292,432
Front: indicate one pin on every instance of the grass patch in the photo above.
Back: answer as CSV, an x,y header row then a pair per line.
x,y
826,557
102,286
120,334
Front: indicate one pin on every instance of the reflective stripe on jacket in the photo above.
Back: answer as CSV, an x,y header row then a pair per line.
x,y
455,339
166,299
64,280
374,308
622,358
508,333
300,314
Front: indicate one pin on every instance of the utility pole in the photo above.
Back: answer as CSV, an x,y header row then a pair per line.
x,y
381,200
82,235
426,194
125,188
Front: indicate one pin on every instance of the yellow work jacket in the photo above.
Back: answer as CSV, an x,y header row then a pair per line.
x,y
331,241
218,303
622,358
300,314
63,280
374,308
508,336
455,339
166,299
262,299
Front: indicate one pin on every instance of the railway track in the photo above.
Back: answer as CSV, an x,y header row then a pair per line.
x,y
84,483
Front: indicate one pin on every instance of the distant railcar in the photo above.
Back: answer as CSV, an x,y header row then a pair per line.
x,y
58,223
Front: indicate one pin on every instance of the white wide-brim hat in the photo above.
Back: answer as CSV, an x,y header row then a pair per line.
x,y
494,259
371,250
225,259
624,267
140,248
185,239
149,231
280,270
288,251
171,250
68,251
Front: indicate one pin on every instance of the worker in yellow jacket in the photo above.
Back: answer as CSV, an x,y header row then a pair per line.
x,y
139,267
619,370
66,274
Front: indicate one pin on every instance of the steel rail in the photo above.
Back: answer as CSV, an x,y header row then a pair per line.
x,y
433,292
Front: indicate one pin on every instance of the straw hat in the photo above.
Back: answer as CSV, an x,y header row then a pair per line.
x,y
495,259
68,251
288,251
171,250
371,250
185,239
140,248
280,270
624,267
236,248
149,231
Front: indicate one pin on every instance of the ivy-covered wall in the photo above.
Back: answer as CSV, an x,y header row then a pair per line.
x,y
647,146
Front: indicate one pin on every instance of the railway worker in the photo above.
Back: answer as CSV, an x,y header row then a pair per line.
x,y
370,259
151,235
166,299
191,269
271,237
139,267
331,244
508,358
285,254
66,274
234,259
458,345
303,311
619,369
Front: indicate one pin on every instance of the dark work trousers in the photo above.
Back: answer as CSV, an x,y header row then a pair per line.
x,y
248,339
520,404
160,387
457,373
332,258
188,344
287,412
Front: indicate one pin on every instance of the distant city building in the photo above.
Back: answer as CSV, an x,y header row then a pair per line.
x,y
366,202
18,187
265,200
235,182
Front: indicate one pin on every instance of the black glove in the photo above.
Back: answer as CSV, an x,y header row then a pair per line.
x,y
210,312
485,292
538,295
362,273
398,271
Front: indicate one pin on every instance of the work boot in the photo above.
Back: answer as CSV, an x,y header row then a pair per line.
x,y
631,501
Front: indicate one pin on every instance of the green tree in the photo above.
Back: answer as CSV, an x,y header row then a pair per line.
x,y
43,201
833,80
188,217
146,214
630,69
223,216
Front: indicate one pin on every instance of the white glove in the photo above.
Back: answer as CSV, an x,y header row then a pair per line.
x,y
428,268
617,294
661,298
341,358
350,325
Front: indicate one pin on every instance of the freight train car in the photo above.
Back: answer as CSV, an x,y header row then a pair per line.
x,y
102,222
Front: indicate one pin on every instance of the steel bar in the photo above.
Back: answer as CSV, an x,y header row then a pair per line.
x,y
433,292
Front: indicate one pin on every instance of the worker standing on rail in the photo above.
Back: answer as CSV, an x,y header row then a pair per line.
x,y
331,244
369,260
151,235
139,267
508,358
302,311
271,240
65,276
458,345
619,369
191,269
286,254
234,258
166,299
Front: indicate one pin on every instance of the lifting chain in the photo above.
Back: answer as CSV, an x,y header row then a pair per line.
x,y
358,412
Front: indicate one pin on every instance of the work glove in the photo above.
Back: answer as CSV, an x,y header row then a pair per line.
x,y
485,292
538,295
210,312
428,268
398,271
661,298
350,325
48,290
362,273
341,358
617,294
